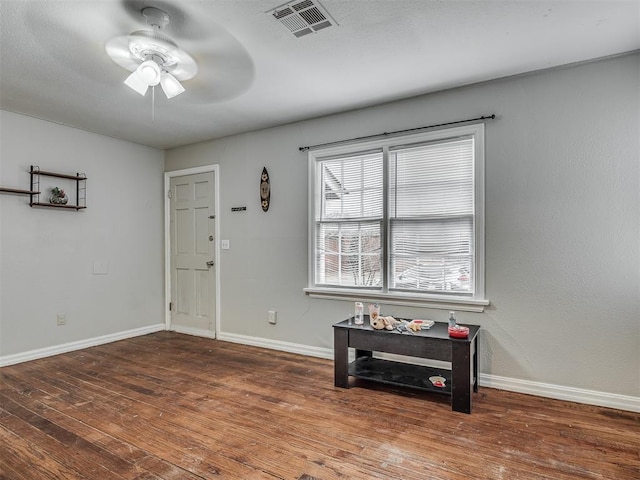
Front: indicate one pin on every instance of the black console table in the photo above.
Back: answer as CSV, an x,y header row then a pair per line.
x,y
434,343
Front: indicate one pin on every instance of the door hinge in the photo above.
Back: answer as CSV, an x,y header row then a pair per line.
x,y
170,306
169,193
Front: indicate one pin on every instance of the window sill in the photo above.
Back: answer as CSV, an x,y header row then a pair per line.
x,y
442,302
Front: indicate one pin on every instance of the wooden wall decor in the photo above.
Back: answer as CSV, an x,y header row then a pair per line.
x,y
265,190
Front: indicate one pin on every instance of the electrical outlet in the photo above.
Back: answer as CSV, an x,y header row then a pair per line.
x,y
273,317
61,319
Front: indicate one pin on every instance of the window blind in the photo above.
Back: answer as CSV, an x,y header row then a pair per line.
x,y
431,216
349,220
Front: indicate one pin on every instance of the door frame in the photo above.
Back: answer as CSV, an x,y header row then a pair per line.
x,y
167,238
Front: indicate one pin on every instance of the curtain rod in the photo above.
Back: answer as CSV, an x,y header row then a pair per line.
x,y
310,147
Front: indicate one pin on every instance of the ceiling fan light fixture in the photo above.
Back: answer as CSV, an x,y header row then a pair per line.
x,y
149,73
170,85
151,55
134,83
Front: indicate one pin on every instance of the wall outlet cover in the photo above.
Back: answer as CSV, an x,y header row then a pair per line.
x,y
101,267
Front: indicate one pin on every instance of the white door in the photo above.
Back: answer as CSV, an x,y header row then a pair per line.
x,y
192,262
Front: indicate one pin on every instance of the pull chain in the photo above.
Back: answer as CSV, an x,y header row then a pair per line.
x,y
153,103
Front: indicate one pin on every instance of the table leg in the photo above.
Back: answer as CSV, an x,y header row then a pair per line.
x,y
461,376
341,357
475,364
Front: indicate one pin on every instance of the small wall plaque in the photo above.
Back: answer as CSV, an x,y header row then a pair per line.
x,y
265,190
238,209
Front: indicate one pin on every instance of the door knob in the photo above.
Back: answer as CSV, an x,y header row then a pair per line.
x,y
210,263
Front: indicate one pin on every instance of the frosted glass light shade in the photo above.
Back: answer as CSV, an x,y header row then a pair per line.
x,y
170,85
146,75
133,81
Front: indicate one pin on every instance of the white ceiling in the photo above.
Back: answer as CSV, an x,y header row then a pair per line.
x,y
254,73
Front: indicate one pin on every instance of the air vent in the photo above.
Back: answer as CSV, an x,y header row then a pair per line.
x,y
303,17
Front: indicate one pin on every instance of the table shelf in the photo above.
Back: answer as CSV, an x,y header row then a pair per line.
x,y
399,374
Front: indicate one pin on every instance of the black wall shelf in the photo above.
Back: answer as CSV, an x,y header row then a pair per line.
x,y
79,179
17,191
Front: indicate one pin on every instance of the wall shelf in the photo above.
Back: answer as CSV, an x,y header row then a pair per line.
x,y
54,205
77,176
80,183
18,191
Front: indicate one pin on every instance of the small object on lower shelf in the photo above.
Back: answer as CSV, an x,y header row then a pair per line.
x,y
438,381
458,331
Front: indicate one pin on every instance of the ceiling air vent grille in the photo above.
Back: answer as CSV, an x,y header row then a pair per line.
x,y
303,17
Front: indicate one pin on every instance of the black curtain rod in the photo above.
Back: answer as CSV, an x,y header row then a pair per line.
x,y
488,117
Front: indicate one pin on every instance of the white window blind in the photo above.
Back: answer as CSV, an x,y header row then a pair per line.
x,y
431,216
401,216
349,221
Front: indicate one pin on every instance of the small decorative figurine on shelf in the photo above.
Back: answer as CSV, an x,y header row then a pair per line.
x,y
58,197
384,323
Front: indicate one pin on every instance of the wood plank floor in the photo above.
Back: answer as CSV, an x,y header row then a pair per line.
x,y
171,406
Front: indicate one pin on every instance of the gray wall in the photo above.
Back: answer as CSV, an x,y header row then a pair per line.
x,y
47,256
562,231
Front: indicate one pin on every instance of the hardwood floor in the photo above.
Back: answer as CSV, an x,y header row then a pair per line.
x,y
173,406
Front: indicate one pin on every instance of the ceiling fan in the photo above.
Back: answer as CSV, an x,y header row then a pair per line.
x,y
153,58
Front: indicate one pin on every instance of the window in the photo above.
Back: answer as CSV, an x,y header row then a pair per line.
x,y
400,220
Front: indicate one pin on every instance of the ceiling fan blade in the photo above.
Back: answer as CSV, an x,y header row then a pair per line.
x,y
133,81
170,85
221,76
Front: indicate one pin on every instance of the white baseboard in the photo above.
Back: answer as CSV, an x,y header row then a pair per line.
x,y
196,332
319,352
79,345
558,392
570,394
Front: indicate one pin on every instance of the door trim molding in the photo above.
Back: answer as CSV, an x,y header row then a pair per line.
x,y
167,237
